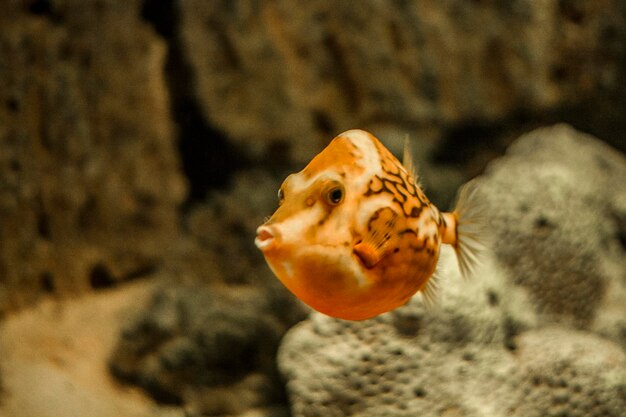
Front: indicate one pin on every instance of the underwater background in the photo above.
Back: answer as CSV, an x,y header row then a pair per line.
x,y
142,143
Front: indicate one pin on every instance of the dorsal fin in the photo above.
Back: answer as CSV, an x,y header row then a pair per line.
x,y
407,159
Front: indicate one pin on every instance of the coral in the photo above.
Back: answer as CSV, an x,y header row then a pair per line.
x,y
567,373
555,204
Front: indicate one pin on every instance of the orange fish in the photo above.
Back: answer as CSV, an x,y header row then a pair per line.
x,y
354,235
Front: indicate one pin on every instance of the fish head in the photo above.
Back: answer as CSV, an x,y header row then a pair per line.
x,y
316,205
313,228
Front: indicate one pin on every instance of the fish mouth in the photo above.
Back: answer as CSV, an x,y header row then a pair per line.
x,y
265,237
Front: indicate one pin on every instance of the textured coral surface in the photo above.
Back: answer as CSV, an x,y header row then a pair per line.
x,y
554,205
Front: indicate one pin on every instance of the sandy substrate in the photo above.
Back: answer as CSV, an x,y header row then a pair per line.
x,y
53,358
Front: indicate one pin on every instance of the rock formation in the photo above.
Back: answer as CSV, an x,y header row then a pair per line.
x,y
272,73
90,180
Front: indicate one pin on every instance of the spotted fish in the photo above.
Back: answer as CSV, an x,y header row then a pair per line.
x,y
355,236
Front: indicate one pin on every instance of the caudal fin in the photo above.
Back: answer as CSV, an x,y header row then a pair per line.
x,y
471,229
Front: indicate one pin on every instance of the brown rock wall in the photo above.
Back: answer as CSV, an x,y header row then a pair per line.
x,y
90,180
280,72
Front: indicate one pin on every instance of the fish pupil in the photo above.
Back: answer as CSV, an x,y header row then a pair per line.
x,y
336,195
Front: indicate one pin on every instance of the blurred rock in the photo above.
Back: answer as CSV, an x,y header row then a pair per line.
x,y
218,246
276,75
90,180
225,225
211,349
556,202
210,344
502,344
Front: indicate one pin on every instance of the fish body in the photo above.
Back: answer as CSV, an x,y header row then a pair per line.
x,y
354,235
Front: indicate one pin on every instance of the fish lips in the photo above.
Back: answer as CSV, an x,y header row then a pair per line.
x,y
266,237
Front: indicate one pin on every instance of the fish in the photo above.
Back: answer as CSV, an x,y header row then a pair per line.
x,y
354,236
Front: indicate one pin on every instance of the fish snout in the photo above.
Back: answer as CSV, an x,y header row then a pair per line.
x,y
266,237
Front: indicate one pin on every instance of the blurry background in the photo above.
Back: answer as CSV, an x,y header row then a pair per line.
x,y
142,142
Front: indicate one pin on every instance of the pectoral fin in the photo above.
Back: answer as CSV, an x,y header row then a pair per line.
x,y
375,244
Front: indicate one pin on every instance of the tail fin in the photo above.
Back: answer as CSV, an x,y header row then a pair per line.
x,y
471,229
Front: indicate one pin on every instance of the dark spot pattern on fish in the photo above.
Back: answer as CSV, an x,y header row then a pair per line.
x,y
397,182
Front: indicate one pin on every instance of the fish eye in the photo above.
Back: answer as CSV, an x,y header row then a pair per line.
x,y
335,194
281,196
